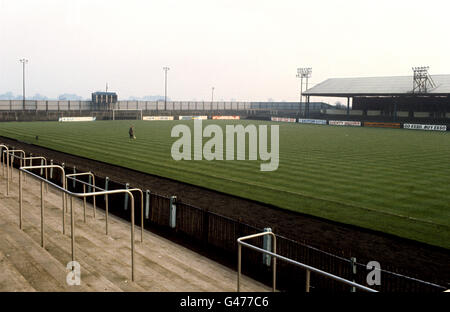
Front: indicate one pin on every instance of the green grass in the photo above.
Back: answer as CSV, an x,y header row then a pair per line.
x,y
391,180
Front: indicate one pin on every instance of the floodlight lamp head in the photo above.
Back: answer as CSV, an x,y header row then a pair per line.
x,y
304,72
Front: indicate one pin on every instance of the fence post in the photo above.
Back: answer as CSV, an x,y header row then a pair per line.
x,y
308,281
106,204
11,161
90,182
2,160
147,204
63,165
84,203
73,181
353,266
267,245
42,214
20,199
125,204
42,169
51,169
93,190
173,212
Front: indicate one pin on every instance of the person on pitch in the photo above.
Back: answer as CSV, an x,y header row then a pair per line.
x,y
131,133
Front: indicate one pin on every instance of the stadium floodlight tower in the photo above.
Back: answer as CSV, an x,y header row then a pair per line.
x,y
23,61
165,87
422,80
304,72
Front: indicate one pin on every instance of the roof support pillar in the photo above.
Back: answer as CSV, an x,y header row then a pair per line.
x,y
307,103
395,109
348,106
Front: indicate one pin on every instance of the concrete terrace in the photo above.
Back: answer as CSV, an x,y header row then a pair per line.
x,y
105,261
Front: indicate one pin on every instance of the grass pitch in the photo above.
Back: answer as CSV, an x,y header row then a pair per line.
x,y
391,180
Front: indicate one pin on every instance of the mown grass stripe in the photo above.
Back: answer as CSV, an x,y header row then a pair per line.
x,y
362,176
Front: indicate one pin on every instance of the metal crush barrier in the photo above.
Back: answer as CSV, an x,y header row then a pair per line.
x,y
94,187
3,146
275,256
92,176
12,155
23,161
72,195
43,160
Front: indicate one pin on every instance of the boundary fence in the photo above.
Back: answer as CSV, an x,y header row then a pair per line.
x,y
64,105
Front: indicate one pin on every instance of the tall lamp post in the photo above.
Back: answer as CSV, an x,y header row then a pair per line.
x,y
165,87
304,72
23,61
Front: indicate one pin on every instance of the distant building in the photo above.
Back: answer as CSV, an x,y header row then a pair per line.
x,y
103,100
389,98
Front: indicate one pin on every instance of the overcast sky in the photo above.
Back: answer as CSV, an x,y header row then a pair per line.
x,y
249,50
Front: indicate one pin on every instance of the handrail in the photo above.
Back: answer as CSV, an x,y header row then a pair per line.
x,y
7,166
79,195
308,268
142,210
24,158
93,181
63,182
71,176
274,260
30,158
12,153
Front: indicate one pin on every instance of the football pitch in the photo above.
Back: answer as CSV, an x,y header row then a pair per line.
x,y
390,180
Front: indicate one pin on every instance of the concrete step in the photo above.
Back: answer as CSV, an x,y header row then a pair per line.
x,y
105,260
95,268
32,262
10,278
91,240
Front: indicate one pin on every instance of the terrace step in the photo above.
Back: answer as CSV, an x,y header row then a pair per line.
x,y
167,269
105,260
59,253
10,278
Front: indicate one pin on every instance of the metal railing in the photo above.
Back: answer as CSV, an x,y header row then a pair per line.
x,y
12,155
94,204
23,160
31,158
72,195
3,146
275,256
72,177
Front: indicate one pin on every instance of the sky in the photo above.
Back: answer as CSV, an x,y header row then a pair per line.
x,y
248,50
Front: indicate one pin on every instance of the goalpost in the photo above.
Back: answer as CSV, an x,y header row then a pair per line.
x,y
118,110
